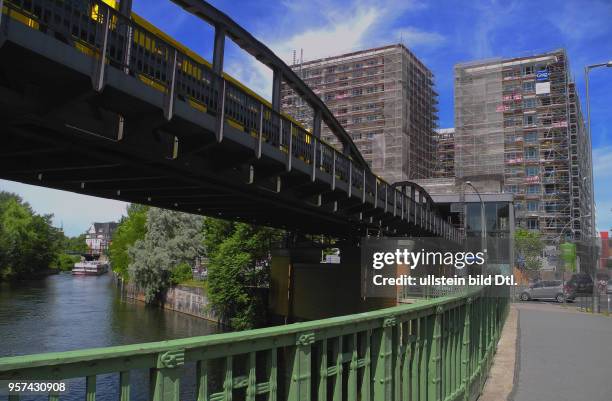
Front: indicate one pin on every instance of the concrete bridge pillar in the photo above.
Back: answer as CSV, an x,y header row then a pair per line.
x,y
303,288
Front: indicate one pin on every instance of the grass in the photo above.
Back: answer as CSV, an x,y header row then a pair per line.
x,y
195,283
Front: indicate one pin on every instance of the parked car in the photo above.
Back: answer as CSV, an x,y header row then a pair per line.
x,y
549,289
579,284
609,289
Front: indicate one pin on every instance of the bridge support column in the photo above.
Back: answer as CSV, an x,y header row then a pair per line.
x,y
276,90
219,50
303,288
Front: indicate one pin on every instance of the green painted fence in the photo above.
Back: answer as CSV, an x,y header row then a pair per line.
x,y
434,350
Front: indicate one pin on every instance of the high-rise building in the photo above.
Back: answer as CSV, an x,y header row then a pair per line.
x,y
519,119
445,153
385,100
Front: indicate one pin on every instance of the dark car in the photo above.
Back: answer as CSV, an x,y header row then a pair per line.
x,y
579,284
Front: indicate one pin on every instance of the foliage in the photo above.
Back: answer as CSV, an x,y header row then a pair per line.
x,y
181,273
238,264
130,229
75,245
171,239
28,242
65,262
529,245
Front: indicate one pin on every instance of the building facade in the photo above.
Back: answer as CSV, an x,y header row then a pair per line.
x,y
98,237
385,100
445,153
519,119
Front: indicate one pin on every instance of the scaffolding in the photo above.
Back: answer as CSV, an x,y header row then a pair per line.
x,y
521,118
384,98
445,153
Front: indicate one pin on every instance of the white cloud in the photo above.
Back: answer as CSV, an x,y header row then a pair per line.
x,y
581,20
322,29
602,162
413,37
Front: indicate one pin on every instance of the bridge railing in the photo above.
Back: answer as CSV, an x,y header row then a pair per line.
x,y
437,349
116,40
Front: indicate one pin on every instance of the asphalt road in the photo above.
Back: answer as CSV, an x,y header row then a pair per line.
x,y
565,355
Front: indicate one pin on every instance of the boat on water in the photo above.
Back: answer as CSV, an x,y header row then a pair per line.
x,y
90,265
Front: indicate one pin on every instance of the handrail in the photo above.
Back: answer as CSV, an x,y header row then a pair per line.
x,y
441,348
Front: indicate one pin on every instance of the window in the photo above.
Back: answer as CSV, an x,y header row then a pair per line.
x,y
358,65
372,61
531,171
529,119
372,89
371,105
532,224
372,117
356,136
330,69
529,86
356,108
533,206
528,70
329,79
370,135
529,103
533,189
531,136
513,189
371,72
357,120
531,153
357,92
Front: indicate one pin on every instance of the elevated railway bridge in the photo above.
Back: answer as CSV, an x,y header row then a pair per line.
x,y
96,100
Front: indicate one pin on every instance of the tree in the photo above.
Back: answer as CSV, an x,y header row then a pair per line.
x,y
28,241
130,229
171,239
238,264
529,245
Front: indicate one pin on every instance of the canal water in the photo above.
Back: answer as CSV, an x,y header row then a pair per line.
x,y
65,312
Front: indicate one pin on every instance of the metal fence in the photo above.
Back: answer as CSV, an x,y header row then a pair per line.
x,y
438,349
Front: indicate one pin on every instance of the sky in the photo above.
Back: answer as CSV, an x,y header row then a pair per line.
x,y
440,33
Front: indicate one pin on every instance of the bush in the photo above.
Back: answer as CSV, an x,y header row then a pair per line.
x,y
66,262
182,272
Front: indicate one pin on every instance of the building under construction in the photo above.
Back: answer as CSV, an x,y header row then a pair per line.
x,y
445,153
520,120
384,98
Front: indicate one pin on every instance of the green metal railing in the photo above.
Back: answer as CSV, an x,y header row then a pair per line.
x,y
434,350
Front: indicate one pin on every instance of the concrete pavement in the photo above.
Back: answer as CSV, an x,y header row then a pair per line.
x,y
501,378
564,355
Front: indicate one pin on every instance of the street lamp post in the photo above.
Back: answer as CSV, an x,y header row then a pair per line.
x,y
587,69
483,225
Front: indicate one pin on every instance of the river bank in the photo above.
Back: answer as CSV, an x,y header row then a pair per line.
x,y
181,298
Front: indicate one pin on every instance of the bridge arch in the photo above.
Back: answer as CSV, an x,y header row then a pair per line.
x,y
224,25
415,189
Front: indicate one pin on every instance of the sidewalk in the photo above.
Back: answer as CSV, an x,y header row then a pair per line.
x,y
502,375
565,355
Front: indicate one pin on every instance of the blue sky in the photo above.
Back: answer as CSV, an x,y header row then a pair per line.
x,y
441,34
